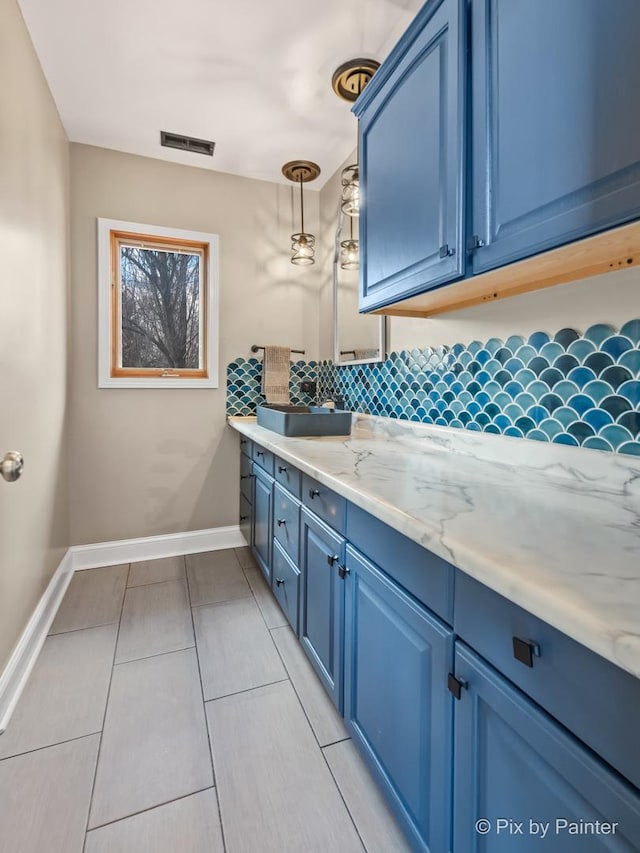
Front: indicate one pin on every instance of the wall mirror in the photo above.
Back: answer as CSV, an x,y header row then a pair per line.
x,y
357,338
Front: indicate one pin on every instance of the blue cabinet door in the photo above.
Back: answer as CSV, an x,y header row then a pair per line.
x,y
513,765
322,601
411,161
246,516
262,520
397,707
555,150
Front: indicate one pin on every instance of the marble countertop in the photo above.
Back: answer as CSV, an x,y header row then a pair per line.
x,y
554,529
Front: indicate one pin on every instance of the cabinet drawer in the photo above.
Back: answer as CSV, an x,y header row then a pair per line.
x,y
245,477
594,699
264,458
286,521
246,446
288,476
326,504
286,584
427,577
245,518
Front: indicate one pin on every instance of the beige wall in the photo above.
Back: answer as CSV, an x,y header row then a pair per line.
x,y
148,462
34,523
611,298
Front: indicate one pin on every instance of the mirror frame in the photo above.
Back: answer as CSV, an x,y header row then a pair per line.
x,y
382,331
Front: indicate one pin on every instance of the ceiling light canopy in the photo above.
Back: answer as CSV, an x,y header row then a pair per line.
x,y
302,243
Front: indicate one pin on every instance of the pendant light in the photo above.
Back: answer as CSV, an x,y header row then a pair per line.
x,y
302,244
350,251
348,81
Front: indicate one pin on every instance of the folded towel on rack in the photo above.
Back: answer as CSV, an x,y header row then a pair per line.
x,y
360,354
275,374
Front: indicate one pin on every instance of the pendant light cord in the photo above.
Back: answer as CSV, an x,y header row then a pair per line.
x,y
301,208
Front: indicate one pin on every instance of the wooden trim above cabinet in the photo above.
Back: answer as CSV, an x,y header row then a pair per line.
x,y
618,248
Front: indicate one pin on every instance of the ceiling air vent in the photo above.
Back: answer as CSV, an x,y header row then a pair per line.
x,y
186,143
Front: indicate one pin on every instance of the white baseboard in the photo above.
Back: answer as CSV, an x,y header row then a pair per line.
x,y
15,674
155,547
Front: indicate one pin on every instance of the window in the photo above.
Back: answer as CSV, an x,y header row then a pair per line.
x,y
158,307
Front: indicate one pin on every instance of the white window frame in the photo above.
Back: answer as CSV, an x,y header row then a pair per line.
x,y
106,318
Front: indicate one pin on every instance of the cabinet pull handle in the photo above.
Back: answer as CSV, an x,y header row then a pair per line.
x,y
245,476
525,651
476,242
343,571
279,581
244,517
259,452
332,559
446,252
455,685
281,521
243,441
313,493
282,469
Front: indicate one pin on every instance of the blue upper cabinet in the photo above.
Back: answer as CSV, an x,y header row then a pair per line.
x,y
495,131
555,151
411,161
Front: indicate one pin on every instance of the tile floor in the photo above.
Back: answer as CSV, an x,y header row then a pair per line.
x,y
173,711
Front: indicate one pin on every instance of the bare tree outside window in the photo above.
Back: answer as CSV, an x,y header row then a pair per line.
x,y
160,306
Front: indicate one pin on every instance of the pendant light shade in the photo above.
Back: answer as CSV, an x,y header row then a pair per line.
x,y
302,243
350,251
302,249
351,190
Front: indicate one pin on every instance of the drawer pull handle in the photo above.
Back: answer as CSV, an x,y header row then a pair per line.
x,y
282,469
455,685
332,559
245,476
279,581
525,651
244,517
281,521
243,441
259,452
313,493
343,571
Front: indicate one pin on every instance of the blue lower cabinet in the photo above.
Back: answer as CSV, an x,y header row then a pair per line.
x,y
246,518
322,601
524,783
286,584
262,520
396,704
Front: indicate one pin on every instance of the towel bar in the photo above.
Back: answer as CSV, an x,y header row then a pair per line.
x,y
255,348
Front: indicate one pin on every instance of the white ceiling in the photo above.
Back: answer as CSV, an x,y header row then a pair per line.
x,y
252,75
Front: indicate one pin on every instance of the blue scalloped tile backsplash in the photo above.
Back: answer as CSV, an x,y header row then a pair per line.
x,y
244,384
579,390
